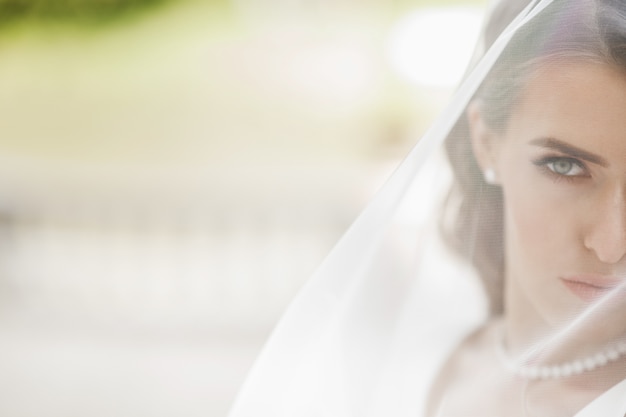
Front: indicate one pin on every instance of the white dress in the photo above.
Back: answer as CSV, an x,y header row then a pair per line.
x,y
610,404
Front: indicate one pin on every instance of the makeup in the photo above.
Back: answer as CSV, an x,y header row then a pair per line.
x,y
591,287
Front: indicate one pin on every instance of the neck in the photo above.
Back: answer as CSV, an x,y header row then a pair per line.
x,y
522,325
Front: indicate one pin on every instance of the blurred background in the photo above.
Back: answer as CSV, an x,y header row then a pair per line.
x,y
172,171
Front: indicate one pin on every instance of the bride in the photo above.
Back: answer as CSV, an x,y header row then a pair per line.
x,y
530,320
552,152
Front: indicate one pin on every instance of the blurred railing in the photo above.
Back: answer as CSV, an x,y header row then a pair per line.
x,y
214,266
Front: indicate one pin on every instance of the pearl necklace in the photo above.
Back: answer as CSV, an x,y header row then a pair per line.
x,y
563,370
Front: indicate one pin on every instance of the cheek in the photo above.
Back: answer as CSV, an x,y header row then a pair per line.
x,y
538,225
529,226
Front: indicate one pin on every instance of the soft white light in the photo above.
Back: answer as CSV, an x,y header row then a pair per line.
x,y
432,47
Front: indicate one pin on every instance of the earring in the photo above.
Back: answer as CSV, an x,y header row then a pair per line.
x,y
490,176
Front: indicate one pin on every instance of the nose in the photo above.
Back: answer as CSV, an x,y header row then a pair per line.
x,y
607,235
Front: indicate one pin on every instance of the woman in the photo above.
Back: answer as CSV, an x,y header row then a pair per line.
x,y
395,325
553,154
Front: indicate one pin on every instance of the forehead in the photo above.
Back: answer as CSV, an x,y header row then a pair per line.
x,y
583,103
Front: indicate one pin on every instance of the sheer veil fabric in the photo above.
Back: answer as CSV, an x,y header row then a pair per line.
x,y
488,276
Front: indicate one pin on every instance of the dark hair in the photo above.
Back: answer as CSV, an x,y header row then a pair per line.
x,y
567,29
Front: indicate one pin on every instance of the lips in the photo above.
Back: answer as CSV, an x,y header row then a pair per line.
x,y
593,287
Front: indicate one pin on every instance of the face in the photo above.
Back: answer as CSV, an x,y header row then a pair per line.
x,y
561,164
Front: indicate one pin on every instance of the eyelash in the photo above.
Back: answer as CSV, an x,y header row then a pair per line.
x,y
544,165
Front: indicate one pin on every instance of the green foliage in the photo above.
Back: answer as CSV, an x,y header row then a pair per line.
x,y
79,11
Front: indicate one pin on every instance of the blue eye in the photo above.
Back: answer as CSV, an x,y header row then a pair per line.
x,y
565,166
562,167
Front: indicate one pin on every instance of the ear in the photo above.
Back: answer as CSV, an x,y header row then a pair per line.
x,y
484,139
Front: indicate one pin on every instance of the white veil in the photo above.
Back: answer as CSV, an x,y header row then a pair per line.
x,y
375,330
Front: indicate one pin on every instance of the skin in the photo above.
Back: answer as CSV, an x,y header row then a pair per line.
x,y
561,163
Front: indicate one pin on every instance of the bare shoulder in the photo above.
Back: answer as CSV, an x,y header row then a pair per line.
x,y
467,353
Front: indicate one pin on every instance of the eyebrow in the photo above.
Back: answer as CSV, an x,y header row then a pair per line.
x,y
570,150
